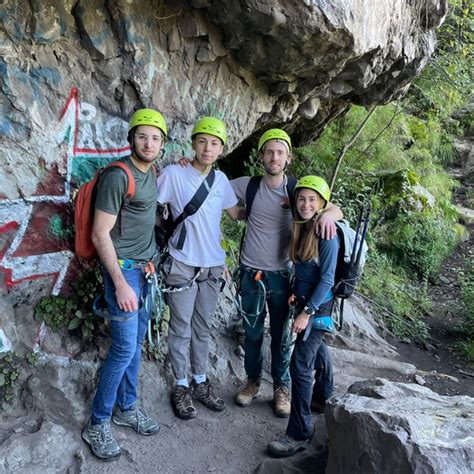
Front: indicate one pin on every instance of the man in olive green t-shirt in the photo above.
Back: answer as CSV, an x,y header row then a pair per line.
x,y
123,234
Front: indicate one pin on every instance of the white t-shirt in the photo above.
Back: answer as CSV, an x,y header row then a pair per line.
x,y
176,185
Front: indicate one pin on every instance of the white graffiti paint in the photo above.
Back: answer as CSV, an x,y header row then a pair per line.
x,y
80,129
34,265
5,344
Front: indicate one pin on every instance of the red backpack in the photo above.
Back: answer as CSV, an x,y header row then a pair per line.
x,y
84,210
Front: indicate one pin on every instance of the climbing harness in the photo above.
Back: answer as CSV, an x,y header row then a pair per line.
x,y
154,305
288,337
155,300
262,297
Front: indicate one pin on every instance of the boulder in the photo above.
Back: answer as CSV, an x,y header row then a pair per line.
x,y
50,448
383,426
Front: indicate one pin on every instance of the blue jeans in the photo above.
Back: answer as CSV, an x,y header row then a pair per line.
x,y
119,374
308,355
277,286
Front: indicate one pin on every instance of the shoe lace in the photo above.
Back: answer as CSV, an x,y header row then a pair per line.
x,y
282,392
142,419
287,441
103,435
183,397
247,386
209,390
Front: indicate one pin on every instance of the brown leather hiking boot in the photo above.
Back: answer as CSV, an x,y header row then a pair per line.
x,y
281,402
204,393
182,403
247,392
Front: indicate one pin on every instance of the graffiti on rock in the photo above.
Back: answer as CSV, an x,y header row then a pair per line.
x,y
33,243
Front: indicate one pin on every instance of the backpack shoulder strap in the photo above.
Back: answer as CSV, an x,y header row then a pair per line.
x,y
250,193
290,189
131,180
130,187
193,206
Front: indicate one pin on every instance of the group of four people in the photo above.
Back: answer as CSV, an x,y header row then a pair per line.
x,y
195,265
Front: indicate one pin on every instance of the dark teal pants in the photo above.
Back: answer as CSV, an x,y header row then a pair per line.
x,y
277,287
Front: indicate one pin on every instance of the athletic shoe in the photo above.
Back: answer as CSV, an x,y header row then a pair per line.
x,y
136,419
286,447
102,442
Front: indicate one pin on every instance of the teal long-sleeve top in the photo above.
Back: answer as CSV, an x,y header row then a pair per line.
x,y
315,279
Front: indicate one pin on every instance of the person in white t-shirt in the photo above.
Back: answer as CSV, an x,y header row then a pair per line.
x,y
195,264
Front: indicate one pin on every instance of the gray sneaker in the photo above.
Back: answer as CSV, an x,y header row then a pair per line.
x,y
286,446
102,441
136,419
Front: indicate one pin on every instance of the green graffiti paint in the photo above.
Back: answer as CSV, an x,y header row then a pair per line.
x,y
84,167
176,149
56,228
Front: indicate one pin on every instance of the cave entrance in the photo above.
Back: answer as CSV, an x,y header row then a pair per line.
x,y
233,164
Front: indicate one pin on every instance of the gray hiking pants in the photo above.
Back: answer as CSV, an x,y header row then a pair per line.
x,y
191,314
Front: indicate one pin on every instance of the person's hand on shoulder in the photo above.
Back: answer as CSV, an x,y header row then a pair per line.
x,y
326,226
183,162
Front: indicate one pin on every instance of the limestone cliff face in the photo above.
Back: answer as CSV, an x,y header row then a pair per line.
x,y
72,72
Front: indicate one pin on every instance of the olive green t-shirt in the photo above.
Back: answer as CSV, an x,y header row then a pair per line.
x,y
137,241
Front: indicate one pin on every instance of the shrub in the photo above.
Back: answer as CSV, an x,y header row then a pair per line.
x,y
74,312
399,299
421,242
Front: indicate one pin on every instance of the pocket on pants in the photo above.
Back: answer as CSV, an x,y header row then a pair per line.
x,y
167,265
214,277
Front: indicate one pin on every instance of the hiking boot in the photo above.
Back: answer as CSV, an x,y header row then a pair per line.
x,y
136,419
182,403
281,402
204,393
286,446
247,392
102,442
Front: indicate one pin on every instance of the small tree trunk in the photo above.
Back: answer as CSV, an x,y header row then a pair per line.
x,y
348,145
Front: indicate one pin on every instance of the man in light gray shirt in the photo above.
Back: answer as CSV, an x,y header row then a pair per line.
x,y
265,263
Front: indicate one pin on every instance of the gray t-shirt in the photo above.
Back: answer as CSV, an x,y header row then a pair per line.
x,y
268,234
138,239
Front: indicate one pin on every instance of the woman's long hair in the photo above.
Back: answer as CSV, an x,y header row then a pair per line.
x,y
304,241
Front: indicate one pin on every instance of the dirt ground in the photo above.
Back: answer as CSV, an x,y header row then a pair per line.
x,y
233,441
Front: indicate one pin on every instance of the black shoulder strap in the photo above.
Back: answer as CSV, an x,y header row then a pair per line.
x,y
250,193
192,207
290,189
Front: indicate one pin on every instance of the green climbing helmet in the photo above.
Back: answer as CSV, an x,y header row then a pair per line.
x,y
274,134
211,126
316,184
148,117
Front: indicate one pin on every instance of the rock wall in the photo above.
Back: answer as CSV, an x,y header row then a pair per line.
x,y
72,72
